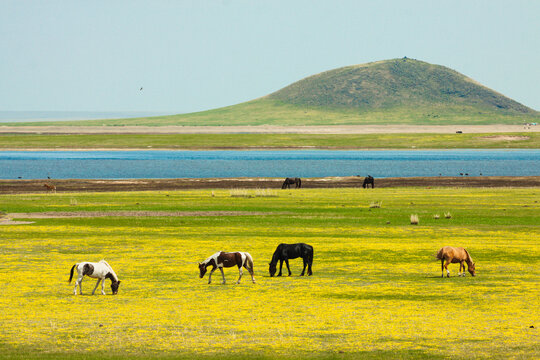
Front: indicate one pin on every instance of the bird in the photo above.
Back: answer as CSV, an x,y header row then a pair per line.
x,y
140,88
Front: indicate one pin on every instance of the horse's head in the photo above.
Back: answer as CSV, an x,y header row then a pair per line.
x,y
114,286
202,270
472,269
272,268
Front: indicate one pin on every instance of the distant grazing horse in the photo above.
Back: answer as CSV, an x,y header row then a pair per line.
x,y
50,187
290,181
449,254
369,180
284,252
101,271
227,259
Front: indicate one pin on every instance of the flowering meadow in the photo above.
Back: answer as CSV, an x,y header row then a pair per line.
x,y
376,289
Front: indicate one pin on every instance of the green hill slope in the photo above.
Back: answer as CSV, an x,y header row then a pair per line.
x,y
398,91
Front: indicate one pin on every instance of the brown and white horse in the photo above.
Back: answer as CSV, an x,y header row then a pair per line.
x,y
101,271
449,254
227,259
50,187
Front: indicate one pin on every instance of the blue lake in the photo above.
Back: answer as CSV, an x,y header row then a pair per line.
x,y
300,163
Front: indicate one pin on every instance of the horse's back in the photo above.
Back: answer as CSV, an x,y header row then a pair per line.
x,y
450,252
293,251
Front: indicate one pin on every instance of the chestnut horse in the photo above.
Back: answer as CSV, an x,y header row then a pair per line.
x,y
50,187
449,254
227,259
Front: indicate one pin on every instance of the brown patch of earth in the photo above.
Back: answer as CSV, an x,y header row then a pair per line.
x,y
84,214
505,138
84,185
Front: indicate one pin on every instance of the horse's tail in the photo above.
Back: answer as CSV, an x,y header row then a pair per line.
x,y
439,254
249,261
71,273
299,183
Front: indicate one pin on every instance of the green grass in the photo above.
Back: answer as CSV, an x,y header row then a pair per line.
x,y
376,291
243,141
274,112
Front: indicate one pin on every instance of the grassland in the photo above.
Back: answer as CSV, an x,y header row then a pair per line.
x,y
268,111
375,292
245,141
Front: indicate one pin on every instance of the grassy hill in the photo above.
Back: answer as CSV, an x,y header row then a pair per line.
x,y
398,91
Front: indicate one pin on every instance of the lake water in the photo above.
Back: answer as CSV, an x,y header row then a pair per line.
x,y
297,163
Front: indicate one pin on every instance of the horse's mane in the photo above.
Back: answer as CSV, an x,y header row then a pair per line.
x,y
469,256
213,256
110,268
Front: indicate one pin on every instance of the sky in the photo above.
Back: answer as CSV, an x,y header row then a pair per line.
x,y
189,56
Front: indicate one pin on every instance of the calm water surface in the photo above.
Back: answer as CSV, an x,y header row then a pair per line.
x,y
301,163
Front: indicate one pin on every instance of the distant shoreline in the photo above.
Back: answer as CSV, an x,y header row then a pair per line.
x,y
105,185
270,129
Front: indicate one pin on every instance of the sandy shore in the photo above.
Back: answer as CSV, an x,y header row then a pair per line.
x,y
269,129
82,185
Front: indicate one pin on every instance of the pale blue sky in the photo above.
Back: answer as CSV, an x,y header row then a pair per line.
x,y
197,55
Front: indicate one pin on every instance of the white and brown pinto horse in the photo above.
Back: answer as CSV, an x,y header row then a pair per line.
x,y
101,271
227,259
449,254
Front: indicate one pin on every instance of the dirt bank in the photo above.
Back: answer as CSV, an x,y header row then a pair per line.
x,y
82,185
270,129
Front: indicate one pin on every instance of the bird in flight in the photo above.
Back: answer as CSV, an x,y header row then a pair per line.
x,y
140,88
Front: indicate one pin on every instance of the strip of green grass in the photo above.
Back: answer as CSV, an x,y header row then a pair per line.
x,y
273,112
243,141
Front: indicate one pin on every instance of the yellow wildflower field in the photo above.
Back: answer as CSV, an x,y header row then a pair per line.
x,y
376,288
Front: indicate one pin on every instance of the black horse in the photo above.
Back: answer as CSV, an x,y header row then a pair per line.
x,y
290,181
369,180
284,252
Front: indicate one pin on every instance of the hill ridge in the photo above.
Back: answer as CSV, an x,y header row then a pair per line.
x,y
390,83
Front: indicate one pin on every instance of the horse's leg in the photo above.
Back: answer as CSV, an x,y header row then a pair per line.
x,y
446,267
288,268
98,281
250,269
280,267
241,272
103,286
442,267
310,262
210,275
223,275
79,282
461,266
304,269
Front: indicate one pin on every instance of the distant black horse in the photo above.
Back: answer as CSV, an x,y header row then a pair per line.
x,y
367,181
289,181
284,252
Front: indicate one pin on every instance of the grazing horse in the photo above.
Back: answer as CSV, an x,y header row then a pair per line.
x,y
284,252
227,259
290,181
369,180
101,271
449,254
50,187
